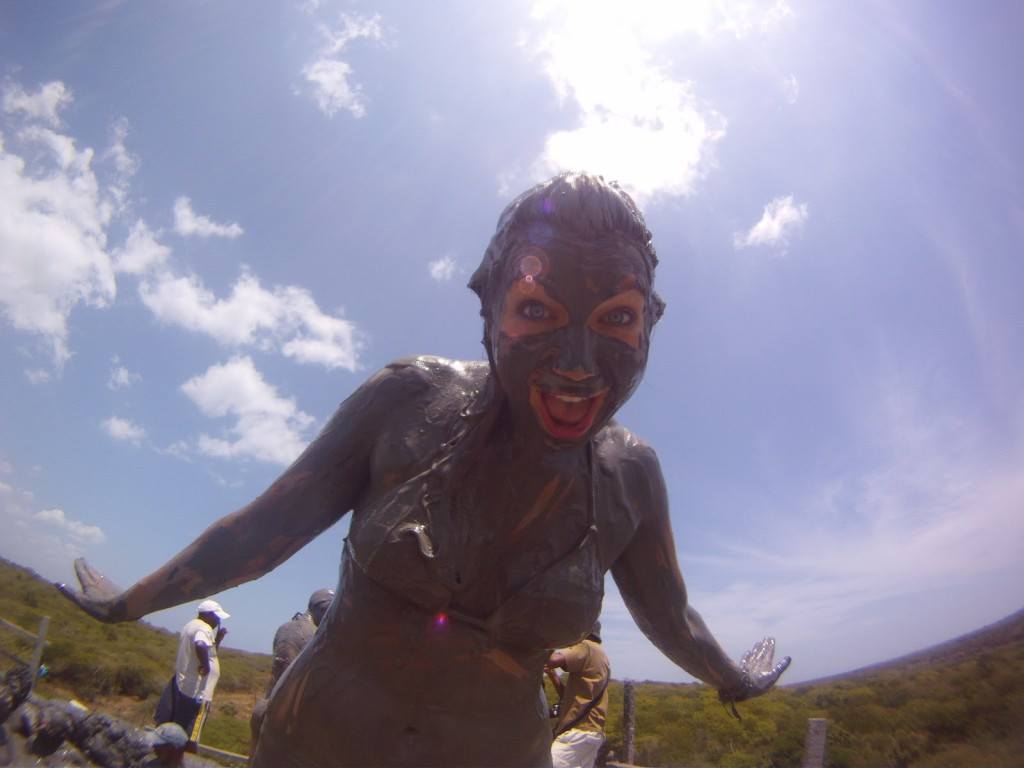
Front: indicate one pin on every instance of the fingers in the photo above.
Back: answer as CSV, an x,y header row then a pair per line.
x,y
782,666
88,576
764,652
771,677
758,660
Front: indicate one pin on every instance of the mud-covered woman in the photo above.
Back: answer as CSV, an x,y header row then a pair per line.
x,y
488,500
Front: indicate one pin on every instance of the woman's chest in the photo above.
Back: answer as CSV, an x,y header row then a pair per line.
x,y
476,534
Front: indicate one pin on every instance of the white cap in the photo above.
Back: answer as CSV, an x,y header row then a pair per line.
x,y
212,606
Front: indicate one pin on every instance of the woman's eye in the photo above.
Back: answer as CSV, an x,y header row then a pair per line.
x,y
534,310
619,317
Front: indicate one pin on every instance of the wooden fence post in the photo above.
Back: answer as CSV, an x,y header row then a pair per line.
x,y
37,653
814,745
629,721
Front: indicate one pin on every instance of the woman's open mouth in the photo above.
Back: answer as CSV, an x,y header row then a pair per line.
x,y
565,415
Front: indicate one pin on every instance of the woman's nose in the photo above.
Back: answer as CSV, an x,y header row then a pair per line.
x,y
575,360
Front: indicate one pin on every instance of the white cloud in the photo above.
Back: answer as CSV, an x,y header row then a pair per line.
x,y
442,269
47,540
330,76
780,219
613,64
141,252
125,163
267,427
187,223
44,105
6,467
179,449
121,377
77,530
53,218
253,316
123,429
790,89
38,375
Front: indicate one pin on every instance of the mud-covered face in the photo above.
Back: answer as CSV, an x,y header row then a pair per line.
x,y
570,334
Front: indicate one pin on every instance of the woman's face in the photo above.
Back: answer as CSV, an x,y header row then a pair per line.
x,y
570,334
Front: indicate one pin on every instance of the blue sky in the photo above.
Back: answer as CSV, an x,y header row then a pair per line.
x,y
215,223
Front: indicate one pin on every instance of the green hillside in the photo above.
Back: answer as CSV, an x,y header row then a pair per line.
x,y
958,704
121,668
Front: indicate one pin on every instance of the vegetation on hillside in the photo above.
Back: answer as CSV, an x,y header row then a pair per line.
x,y
961,707
121,668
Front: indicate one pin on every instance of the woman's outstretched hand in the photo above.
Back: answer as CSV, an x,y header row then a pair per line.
x,y
759,672
99,597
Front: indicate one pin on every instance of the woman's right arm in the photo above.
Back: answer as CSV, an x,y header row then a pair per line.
x,y
318,489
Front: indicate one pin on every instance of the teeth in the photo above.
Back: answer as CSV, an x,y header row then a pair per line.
x,y
570,398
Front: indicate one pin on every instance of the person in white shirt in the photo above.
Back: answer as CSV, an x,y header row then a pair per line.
x,y
186,698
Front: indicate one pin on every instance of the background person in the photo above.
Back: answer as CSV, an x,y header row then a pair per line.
x,y
582,703
187,697
289,640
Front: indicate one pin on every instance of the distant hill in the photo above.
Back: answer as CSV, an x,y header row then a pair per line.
x,y
960,703
1005,632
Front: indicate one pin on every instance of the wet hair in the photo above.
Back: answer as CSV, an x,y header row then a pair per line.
x,y
579,205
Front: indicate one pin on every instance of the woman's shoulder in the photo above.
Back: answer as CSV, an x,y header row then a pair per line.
x,y
423,388
619,448
425,376
439,371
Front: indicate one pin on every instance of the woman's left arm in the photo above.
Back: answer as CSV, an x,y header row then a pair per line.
x,y
647,574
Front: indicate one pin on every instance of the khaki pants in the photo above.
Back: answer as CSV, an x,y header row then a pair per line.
x,y
576,749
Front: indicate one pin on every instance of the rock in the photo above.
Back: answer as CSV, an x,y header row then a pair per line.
x,y
42,732
14,689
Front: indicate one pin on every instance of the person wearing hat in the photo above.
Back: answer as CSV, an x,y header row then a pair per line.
x,y
289,640
583,701
186,698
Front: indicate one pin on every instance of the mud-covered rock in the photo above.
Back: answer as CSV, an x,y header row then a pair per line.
x,y
14,689
43,732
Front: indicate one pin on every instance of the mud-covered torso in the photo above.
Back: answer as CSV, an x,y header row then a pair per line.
x,y
508,545
454,586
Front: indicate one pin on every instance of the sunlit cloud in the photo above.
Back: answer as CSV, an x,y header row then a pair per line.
x,y
188,223
330,75
120,377
44,105
38,375
125,163
45,540
267,426
286,318
53,234
141,251
76,529
781,218
443,269
638,121
790,89
123,429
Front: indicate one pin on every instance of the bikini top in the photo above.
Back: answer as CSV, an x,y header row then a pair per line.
x,y
406,542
